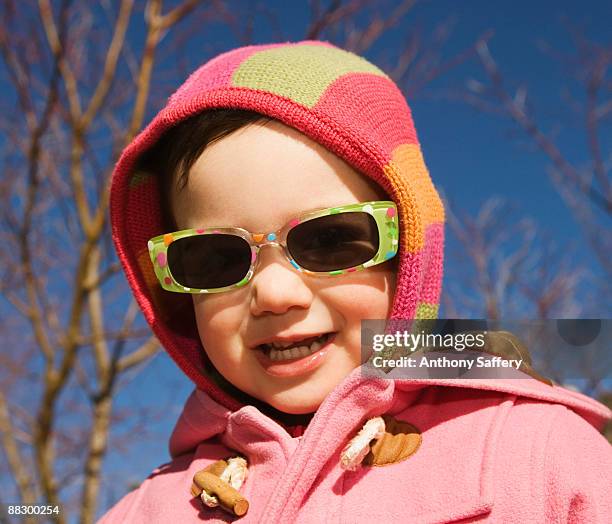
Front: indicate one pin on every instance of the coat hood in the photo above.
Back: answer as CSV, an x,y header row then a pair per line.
x,y
337,99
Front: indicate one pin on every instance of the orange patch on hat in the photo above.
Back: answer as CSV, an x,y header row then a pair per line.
x,y
420,205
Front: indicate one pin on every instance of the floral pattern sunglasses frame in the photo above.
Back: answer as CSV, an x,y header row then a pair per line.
x,y
383,212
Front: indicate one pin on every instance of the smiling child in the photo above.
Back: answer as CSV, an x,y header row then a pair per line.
x,y
279,199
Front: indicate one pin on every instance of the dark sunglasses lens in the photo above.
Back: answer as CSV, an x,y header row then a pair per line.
x,y
209,261
334,242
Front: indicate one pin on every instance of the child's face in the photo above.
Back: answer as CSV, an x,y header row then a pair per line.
x,y
259,178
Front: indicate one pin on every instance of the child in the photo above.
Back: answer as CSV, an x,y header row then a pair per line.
x,y
277,200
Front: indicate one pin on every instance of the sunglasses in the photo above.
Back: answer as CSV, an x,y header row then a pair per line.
x,y
325,242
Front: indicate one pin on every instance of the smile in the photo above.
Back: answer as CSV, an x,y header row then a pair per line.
x,y
299,349
296,358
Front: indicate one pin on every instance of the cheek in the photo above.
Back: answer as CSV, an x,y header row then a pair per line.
x,y
363,296
217,317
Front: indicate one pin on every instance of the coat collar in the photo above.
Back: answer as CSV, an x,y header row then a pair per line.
x,y
444,416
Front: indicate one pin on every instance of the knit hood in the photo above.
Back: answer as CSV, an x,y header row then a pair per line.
x,y
337,99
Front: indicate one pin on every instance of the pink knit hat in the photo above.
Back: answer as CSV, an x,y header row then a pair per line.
x,y
336,98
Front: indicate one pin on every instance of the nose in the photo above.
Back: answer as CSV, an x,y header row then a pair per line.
x,y
276,285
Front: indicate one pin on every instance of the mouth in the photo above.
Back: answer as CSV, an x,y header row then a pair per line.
x,y
277,351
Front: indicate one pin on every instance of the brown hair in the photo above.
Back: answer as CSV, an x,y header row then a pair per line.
x,y
172,157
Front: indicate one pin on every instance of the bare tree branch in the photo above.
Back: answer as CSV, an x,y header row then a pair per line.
x,y
110,64
332,16
148,349
515,108
505,272
14,456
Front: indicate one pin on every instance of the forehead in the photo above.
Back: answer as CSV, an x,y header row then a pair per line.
x,y
264,174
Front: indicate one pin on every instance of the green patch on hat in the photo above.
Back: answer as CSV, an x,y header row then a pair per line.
x,y
301,73
426,311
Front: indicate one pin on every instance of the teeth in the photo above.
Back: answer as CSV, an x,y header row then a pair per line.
x,y
296,352
318,343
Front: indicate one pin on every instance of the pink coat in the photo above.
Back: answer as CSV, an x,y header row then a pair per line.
x,y
503,451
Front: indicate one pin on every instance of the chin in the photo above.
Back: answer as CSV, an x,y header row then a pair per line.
x,y
294,405
304,397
